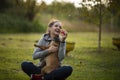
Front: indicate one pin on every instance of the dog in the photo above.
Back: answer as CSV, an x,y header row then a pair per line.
x,y
51,61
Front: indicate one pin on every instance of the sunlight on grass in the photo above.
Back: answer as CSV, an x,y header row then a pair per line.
x,y
87,63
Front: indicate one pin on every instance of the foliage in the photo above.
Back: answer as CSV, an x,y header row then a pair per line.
x,y
29,10
12,24
4,5
19,17
110,12
113,7
58,9
17,8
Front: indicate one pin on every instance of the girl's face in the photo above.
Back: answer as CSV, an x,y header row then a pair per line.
x,y
55,28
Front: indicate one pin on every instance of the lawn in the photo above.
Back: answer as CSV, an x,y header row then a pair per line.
x,y
87,62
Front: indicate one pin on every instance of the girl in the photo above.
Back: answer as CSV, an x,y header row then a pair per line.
x,y
61,73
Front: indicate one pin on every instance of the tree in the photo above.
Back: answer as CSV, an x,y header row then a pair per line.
x,y
4,4
100,19
113,7
30,9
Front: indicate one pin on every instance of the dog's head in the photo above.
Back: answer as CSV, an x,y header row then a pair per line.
x,y
56,41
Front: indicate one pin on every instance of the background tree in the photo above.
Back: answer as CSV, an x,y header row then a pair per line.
x,y
3,5
113,7
38,14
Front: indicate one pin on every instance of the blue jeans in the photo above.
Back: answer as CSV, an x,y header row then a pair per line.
x,y
59,74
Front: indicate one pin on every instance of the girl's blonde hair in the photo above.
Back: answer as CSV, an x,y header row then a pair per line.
x,y
51,23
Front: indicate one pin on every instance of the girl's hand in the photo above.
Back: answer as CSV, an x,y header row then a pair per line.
x,y
63,34
52,49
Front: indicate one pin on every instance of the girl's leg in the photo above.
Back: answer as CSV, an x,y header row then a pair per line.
x,y
29,68
59,74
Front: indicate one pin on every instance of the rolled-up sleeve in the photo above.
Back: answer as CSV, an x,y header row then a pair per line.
x,y
62,51
39,53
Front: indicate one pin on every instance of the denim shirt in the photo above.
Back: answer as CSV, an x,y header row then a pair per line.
x,y
45,41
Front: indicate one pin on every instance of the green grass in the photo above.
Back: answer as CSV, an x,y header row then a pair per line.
x,y
87,62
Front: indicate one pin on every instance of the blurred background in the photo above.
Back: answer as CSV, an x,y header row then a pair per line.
x,y
93,43
26,16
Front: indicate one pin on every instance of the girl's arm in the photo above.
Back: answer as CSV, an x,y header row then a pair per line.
x,y
62,51
39,53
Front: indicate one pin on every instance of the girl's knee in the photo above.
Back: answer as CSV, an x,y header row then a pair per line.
x,y
25,64
68,69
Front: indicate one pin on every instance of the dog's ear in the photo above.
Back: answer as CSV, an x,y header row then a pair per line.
x,y
42,47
